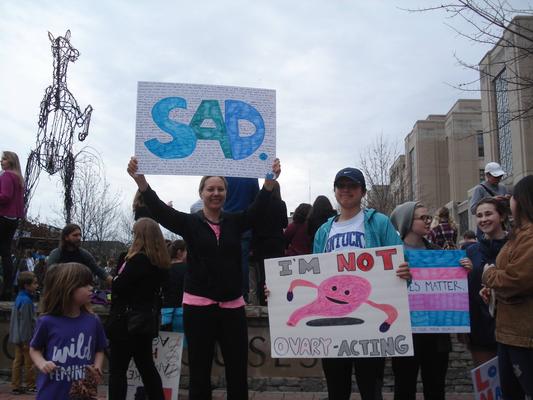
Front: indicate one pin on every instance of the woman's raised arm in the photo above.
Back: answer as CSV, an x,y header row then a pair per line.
x,y
139,179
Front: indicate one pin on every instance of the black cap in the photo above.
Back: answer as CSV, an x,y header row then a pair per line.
x,y
353,174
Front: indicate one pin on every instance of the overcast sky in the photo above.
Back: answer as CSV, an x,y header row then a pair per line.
x,y
344,72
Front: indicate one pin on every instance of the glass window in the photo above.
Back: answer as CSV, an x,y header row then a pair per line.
x,y
481,175
480,146
503,119
412,170
463,222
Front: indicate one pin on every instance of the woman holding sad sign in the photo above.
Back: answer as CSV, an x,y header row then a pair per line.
x,y
213,306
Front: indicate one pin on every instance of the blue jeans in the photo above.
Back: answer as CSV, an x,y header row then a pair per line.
x,y
173,317
516,371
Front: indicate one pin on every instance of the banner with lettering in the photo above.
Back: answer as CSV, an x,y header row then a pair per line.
x,y
438,294
337,305
187,129
486,381
167,351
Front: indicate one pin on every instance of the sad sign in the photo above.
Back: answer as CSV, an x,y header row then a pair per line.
x,y
205,130
184,136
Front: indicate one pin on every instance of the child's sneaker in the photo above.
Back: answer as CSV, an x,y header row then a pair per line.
x,y
31,390
17,391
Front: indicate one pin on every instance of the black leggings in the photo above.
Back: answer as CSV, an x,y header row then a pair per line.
x,y
204,326
122,350
368,374
7,231
431,360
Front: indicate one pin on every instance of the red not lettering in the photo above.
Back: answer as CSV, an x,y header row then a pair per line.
x,y
343,264
365,262
386,256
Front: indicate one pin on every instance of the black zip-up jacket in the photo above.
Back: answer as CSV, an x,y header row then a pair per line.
x,y
215,269
137,285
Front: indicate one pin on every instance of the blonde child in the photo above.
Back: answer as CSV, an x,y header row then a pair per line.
x,y
69,337
21,328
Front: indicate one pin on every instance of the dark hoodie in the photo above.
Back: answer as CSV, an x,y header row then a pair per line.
x,y
482,324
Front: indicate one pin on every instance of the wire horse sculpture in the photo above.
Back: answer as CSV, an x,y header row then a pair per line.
x,y
59,117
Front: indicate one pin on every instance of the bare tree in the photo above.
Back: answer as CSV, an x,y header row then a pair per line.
x,y
376,161
95,205
125,223
493,23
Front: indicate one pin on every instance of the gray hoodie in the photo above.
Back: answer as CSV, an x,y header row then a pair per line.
x,y
402,217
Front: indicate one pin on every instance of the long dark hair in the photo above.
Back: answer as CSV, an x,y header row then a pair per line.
x,y
67,230
175,246
321,211
300,214
523,197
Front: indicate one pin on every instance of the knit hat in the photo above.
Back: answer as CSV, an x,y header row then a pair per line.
x,y
402,217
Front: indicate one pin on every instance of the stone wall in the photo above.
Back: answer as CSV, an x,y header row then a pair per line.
x,y
267,374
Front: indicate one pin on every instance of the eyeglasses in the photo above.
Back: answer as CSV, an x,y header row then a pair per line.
x,y
347,185
425,218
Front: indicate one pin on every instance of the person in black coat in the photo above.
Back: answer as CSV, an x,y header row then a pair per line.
x,y
213,304
267,238
172,312
137,287
491,215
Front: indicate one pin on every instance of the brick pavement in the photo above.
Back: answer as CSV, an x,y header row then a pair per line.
x,y
5,394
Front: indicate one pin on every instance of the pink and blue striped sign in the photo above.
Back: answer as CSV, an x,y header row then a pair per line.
x,y
438,293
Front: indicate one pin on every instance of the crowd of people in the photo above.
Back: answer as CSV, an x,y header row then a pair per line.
x,y
199,285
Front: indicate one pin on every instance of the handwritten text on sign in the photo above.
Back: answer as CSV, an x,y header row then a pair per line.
x,y
486,380
167,352
438,294
205,130
348,304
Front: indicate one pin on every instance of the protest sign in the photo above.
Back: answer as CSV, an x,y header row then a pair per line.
x,y
167,350
486,381
187,129
438,293
336,305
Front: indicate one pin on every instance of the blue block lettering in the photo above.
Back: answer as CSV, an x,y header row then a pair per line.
x,y
242,147
183,140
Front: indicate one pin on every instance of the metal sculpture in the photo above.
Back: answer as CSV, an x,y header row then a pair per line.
x,y
59,117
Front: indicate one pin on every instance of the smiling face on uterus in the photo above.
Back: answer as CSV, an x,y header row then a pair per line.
x,y
343,293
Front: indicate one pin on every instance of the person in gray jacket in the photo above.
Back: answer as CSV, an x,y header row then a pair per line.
x,y
21,328
491,187
70,250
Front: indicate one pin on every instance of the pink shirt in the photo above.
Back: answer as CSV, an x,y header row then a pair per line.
x,y
194,300
11,195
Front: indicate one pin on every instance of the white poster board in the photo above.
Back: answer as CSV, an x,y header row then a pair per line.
x,y
486,381
337,305
186,129
167,348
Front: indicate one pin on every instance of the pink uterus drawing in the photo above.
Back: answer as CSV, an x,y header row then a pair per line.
x,y
338,296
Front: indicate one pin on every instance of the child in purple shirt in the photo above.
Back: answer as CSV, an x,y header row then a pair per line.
x,y
69,338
